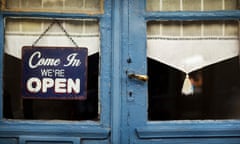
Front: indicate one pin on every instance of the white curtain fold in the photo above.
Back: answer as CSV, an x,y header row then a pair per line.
x,y
190,55
14,43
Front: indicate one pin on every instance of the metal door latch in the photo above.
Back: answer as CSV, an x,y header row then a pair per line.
x,y
140,77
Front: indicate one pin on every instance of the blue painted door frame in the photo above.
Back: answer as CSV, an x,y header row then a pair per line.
x,y
123,100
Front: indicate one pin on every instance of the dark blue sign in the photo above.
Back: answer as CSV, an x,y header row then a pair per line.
x,y
54,72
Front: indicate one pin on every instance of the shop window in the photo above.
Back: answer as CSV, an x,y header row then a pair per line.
x,y
204,51
191,5
21,32
79,6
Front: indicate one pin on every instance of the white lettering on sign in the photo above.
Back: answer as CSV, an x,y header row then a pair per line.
x,y
72,61
37,60
34,85
47,83
52,72
42,61
60,85
73,86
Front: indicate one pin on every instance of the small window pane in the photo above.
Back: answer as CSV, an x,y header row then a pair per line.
x,y
75,26
192,28
231,4
170,5
191,5
154,28
153,5
80,6
31,3
170,28
23,32
52,4
74,4
13,25
92,4
213,5
31,26
13,3
211,28
231,28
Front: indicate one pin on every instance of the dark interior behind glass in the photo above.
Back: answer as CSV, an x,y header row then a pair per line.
x,y
216,92
15,107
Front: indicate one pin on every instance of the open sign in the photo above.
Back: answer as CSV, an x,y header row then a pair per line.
x,y
54,72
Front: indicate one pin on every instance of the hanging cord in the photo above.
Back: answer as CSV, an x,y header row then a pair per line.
x,y
43,34
67,34
49,27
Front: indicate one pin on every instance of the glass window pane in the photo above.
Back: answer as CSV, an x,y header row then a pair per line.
x,y
191,5
79,6
74,4
192,28
92,4
153,5
211,28
231,4
170,5
170,28
31,26
154,28
74,26
213,5
13,3
52,4
31,3
13,25
23,32
231,28
210,50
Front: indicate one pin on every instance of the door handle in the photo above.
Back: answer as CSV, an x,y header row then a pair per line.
x,y
139,77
